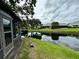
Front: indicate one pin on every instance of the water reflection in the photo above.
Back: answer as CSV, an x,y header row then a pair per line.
x,y
46,38
67,41
55,36
70,41
63,40
35,35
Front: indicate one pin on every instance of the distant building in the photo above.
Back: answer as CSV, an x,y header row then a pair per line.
x,y
61,25
74,24
47,25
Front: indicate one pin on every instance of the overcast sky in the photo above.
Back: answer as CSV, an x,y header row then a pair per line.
x,y
63,11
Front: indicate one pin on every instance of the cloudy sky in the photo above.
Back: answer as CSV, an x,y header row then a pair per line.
x,y
63,11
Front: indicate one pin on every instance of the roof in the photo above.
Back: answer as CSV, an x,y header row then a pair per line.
x,y
60,24
63,24
47,24
6,8
74,23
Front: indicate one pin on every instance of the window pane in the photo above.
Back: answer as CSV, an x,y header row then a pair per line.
x,y
8,38
16,29
0,39
7,25
0,44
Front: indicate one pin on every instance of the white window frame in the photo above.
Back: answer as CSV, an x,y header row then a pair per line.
x,y
6,49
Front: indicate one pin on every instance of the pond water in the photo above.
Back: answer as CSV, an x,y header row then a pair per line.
x,y
62,40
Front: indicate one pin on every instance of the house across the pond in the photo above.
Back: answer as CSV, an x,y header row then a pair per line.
x,y
74,24
61,25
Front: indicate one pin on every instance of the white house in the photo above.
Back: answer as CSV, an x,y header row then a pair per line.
x,y
10,34
74,24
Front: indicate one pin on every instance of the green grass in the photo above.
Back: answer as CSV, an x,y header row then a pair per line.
x,y
61,30
24,52
41,30
46,50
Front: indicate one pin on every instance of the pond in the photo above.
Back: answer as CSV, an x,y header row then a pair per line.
x,y
62,40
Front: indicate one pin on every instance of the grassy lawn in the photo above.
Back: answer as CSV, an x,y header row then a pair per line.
x,y
61,30
45,50
48,31
24,52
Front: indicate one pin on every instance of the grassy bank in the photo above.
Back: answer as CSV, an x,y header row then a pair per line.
x,y
45,50
41,30
24,52
61,30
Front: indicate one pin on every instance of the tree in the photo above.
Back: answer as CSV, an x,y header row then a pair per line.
x,y
27,8
24,24
34,23
55,24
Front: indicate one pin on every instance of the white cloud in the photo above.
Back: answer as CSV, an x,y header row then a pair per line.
x,y
57,10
